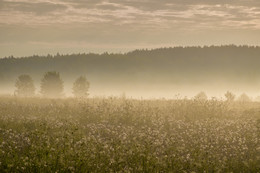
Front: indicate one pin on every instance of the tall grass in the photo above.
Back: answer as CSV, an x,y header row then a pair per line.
x,y
127,135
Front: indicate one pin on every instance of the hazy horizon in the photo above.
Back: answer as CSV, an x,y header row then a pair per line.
x,y
43,27
156,73
124,51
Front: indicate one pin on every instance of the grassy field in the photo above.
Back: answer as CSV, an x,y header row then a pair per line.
x,y
124,135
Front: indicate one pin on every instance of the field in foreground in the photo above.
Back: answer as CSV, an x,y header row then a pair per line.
x,y
121,135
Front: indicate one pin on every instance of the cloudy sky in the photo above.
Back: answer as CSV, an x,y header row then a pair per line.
x,y
30,27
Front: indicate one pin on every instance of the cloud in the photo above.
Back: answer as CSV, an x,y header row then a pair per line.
x,y
35,7
127,21
165,13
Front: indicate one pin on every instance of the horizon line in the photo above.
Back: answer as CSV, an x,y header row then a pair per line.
x,y
131,51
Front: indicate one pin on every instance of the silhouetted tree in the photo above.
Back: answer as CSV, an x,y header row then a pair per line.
x,y
244,98
52,84
81,87
24,86
230,96
201,96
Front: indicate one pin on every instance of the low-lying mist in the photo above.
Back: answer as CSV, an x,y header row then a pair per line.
x,y
156,91
159,73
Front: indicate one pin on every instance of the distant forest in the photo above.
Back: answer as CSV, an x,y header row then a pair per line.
x,y
177,65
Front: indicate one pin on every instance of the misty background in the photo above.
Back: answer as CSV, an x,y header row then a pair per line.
x,y
71,36
163,72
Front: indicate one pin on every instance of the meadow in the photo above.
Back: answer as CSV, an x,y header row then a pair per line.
x,y
128,135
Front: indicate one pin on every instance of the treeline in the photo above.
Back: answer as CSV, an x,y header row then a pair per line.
x,y
51,86
177,65
170,62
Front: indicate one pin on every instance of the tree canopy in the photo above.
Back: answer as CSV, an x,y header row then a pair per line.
x,y
52,84
24,86
81,87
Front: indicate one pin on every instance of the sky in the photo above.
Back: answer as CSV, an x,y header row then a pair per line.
x,y
29,27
